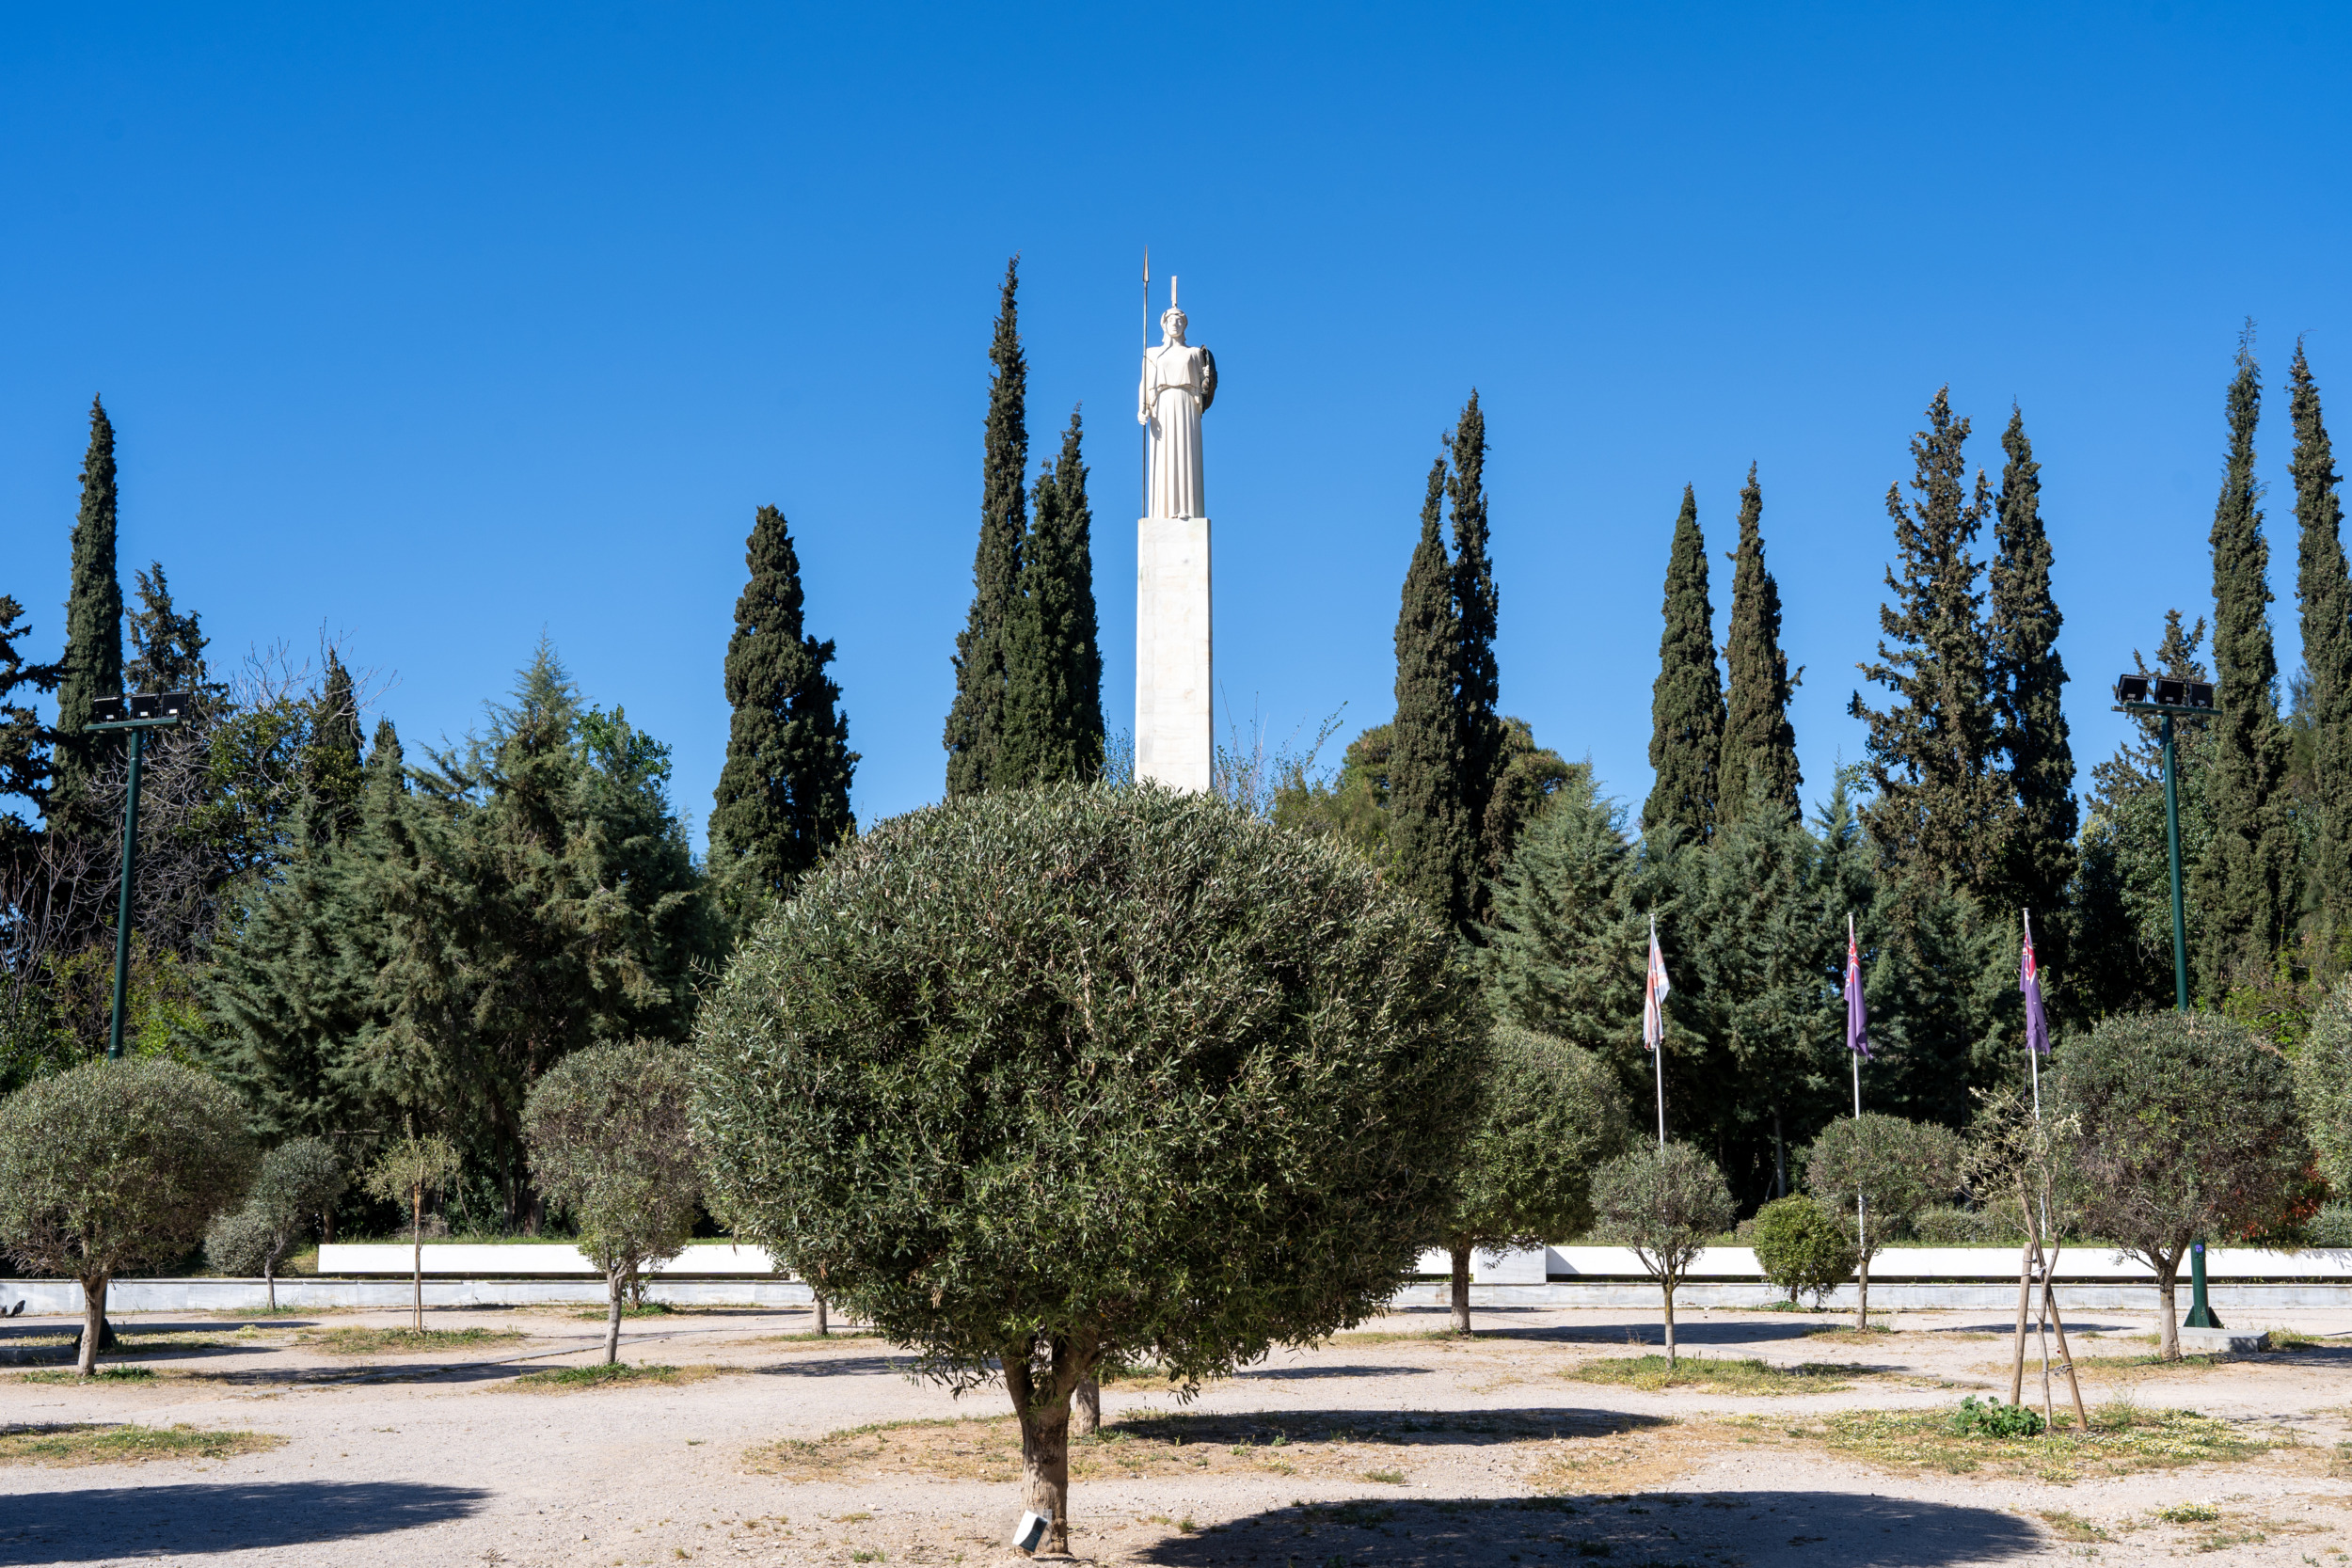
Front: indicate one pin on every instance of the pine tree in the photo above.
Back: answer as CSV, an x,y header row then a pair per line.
x,y
93,622
1933,753
24,739
2027,679
2324,591
1478,683
784,793
1760,744
1053,679
1429,839
1686,738
975,722
2243,879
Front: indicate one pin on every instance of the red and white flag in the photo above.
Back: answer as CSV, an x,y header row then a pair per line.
x,y
1654,992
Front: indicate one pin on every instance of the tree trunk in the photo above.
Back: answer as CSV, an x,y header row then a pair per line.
x,y
269,1281
327,1226
822,1326
1780,1166
613,1315
93,1323
1461,1290
416,1252
1668,1291
1086,1409
1862,1296
1045,1451
2167,1319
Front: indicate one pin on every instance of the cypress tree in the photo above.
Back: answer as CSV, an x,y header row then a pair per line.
x,y
975,722
2324,592
2028,680
1054,680
1429,840
2243,878
331,766
93,619
1760,744
1686,738
1478,683
167,646
1932,753
784,793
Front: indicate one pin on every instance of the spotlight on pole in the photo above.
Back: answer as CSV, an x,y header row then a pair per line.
x,y
137,712
2131,689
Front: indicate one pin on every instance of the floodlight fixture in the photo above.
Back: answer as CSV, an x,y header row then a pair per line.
x,y
2131,689
2201,694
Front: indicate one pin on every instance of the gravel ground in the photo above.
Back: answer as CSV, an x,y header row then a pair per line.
x,y
1385,1448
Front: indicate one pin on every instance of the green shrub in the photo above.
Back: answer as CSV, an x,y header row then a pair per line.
x,y
1992,1418
1952,1227
1666,1204
1800,1247
2332,1226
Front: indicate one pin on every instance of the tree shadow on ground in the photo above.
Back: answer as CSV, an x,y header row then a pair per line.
x,y
834,1366
1687,1332
85,1525
1456,1428
1822,1530
1282,1373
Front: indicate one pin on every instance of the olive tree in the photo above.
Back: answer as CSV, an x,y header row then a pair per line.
x,y
2322,1085
1881,1170
405,1172
1546,1112
1666,1204
607,1131
300,1180
115,1165
1032,1079
2183,1126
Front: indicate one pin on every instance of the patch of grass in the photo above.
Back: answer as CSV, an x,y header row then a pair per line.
x,y
2072,1526
651,1309
104,1374
2122,1439
1386,1478
811,1336
1397,1337
1716,1374
2189,1513
621,1373
1847,1334
85,1443
2295,1339
397,1341
1141,1371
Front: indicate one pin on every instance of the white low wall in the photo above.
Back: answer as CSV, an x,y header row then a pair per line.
x,y
525,1260
1537,1266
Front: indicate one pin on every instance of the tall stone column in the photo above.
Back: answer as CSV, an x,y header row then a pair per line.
x,y
1173,664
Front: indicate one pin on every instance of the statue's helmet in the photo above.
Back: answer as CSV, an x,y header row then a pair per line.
x,y
1171,320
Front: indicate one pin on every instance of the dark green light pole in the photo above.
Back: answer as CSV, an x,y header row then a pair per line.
x,y
138,714
2186,700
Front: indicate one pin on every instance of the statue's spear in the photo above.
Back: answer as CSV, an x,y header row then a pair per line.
x,y
1144,474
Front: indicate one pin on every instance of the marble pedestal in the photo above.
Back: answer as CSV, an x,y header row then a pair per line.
x,y
1174,743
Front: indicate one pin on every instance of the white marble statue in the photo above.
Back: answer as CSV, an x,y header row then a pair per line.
x,y
1179,383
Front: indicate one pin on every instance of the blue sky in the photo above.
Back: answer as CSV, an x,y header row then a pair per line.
x,y
436,328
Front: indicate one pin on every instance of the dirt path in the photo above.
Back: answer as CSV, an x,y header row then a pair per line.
x,y
1393,1447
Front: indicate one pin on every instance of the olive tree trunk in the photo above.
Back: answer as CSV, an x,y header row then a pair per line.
x,y
269,1281
1044,1412
2168,1315
416,1253
1862,1295
93,1323
1461,1290
1086,1409
615,1280
1666,1289
822,1326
